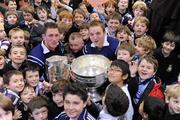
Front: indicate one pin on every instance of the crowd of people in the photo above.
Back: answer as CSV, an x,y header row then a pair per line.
x,y
143,81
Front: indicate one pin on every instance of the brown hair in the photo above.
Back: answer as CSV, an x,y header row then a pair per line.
x,y
97,23
127,46
142,19
6,103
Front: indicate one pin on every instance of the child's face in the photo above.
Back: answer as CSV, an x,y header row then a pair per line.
x,y
174,104
145,69
28,16
1,82
27,94
12,19
12,6
5,115
16,83
2,32
123,54
58,98
84,33
40,113
122,36
42,15
73,106
67,21
17,55
123,4
1,20
78,18
113,25
138,12
17,38
115,75
168,47
140,29
94,16
140,50
76,45
32,78
2,62
110,9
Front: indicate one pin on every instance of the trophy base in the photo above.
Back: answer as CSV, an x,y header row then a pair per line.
x,y
95,97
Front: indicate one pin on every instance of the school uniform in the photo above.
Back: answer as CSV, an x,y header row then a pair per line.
x,y
109,49
139,90
169,116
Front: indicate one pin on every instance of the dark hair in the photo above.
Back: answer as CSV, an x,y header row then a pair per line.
x,y
7,76
115,16
97,23
37,103
124,66
116,100
154,107
59,85
30,67
49,25
78,89
168,36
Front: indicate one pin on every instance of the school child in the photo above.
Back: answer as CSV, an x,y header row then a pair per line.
x,y
123,33
140,26
126,52
17,56
94,16
11,21
57,106
13,85
173,102
139,8
153,108
32,77
31,25
76,44
38,107
65,17
145,83
6,108
82,6
3,64
75,93
17,36
123,10
113,22
84,31
110,7
118,74
144,46
78,19
168,60
26,95
43,15
115,103
4,42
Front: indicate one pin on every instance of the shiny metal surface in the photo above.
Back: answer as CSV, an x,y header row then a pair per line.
x,y
90,65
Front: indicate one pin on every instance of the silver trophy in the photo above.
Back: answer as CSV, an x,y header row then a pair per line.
x,y
57,68
92,71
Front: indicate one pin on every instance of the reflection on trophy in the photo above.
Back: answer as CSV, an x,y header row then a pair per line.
x,y
92,71
57,68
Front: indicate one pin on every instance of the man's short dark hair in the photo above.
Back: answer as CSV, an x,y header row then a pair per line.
x,y
116,101
49,25
78,89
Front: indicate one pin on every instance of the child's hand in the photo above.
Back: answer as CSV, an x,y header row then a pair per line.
x,y
133,66
46,86
17,114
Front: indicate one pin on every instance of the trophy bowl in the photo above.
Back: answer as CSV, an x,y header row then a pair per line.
x,y
91,70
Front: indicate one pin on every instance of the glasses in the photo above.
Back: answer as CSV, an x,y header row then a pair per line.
x,y
114,70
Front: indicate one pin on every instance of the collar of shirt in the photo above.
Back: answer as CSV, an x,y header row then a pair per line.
x,y
106,43
45,49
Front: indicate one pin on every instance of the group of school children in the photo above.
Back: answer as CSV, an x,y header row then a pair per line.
x,y
143,80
